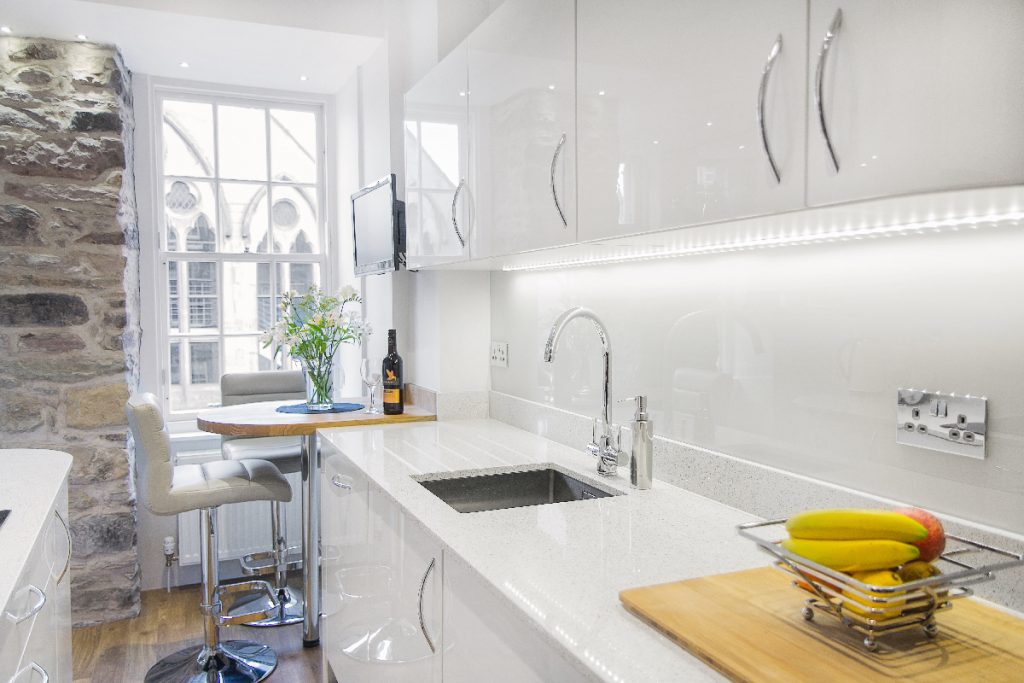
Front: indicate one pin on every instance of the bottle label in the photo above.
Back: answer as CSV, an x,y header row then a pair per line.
x,y
392,395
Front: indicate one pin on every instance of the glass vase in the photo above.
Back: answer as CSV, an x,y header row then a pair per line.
x,y
321,376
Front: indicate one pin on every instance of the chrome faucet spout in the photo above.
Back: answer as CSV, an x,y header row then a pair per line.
x,y
607,453
564,319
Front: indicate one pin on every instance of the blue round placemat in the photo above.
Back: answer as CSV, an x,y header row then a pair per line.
x,y
336,408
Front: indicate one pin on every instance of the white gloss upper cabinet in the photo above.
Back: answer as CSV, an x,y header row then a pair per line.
x,y
917,95
521,79
438,184
670,127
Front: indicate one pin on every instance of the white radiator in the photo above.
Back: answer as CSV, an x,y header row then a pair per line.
x,y
243,527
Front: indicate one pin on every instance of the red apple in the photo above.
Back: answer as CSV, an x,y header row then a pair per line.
x,y
933,545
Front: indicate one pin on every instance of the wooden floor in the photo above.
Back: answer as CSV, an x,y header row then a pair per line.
x,y
122,651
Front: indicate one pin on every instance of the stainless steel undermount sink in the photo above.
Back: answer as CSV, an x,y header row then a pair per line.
x,y
476,492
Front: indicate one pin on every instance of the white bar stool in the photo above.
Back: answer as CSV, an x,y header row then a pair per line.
x,y
172,489
286,453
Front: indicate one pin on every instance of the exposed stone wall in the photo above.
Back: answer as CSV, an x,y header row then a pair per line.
x,y
69,294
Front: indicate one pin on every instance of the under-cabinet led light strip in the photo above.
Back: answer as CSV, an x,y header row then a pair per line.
x,y
843,235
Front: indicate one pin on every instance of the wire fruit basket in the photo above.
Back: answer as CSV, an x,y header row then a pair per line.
x,y
878,611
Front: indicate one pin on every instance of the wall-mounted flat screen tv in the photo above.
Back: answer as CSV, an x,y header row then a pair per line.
x,y
378,221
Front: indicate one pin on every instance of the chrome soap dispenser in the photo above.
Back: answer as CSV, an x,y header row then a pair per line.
x,y
641,455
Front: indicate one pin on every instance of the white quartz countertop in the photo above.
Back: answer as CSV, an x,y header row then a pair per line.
x,y
561,566
30,480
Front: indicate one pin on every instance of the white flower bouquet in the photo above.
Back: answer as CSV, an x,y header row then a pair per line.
x,y
311,328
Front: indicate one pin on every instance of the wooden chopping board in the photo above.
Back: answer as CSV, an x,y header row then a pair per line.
x,y
748,626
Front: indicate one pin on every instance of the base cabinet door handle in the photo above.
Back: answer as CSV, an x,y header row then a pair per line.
x,y
25,675
423,623
31,611
67,533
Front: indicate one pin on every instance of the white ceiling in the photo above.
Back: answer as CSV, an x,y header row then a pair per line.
x,y
217,50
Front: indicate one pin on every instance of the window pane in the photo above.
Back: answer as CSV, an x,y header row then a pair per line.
x,y
202,295
293,148
245,354
242,308
264,297
293,213
175,362
195,374
174,296
297,277
204,362
190,212
188,138
242,142
245,217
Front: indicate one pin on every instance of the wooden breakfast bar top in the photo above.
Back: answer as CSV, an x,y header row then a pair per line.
x,y
262,419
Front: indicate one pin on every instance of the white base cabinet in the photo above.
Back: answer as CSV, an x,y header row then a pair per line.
x,y
484,641
381,582
35,626
396,610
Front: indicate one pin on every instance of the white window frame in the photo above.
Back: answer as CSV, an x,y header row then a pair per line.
x,y
155,360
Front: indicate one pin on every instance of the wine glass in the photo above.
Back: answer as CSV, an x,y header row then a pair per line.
x,y
372,380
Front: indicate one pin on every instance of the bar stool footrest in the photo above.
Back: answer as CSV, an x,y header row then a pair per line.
x,y
258,564
257,586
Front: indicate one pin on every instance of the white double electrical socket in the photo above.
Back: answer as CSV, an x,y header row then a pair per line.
x,y
499,354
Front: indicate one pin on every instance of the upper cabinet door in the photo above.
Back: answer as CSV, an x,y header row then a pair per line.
x,y
689,111
438,184
915,95
521,79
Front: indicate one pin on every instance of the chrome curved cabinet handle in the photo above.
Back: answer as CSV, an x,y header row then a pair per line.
x,y
31,611
819,83
772,55
554,190
67,532
423,623
455,218
16,678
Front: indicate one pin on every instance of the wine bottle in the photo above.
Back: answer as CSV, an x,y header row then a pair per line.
x,y
391,371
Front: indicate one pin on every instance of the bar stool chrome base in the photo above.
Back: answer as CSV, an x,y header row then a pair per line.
x,y
233,661
290,611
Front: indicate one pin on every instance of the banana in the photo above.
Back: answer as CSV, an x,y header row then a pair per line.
x,y
850,525
853,556
875,610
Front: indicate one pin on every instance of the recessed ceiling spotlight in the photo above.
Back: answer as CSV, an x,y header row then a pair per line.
x,y
600,92
82,36
462,93
5,29
183,65
303,78
551,87
710,123
654,142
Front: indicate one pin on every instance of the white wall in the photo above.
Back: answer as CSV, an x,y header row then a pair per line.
x,y
792,357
